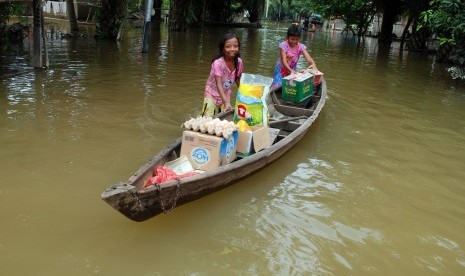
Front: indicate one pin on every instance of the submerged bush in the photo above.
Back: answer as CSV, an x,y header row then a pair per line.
x,y
446,18
458,70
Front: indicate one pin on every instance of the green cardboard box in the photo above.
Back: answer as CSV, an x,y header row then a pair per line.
x,y
297,87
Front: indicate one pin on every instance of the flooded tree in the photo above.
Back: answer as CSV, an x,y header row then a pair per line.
x,y
4,15
445,19
73,25
185,13
18,30
109,18
391,10
157,5
417,39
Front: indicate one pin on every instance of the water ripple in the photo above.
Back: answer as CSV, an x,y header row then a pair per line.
x,y
296,219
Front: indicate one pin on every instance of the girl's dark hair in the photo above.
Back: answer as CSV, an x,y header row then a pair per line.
x,y
294,30
219,54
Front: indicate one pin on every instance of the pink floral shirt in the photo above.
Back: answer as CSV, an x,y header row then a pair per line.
x,y
219,68
292,56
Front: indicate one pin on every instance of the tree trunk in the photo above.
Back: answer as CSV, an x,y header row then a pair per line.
x,y
36,33
418,40
256,10
109,20
184,13
72,16
369,15
391,10
404,33
4,14
157,7
178,10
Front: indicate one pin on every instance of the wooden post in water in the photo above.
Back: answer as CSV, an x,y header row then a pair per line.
x,y
36,33
146,29
44,40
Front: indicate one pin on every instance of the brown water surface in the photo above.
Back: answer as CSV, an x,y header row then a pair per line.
x,y
375,188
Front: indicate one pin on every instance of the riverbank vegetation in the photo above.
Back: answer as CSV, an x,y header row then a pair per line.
x,y
446,20
426,19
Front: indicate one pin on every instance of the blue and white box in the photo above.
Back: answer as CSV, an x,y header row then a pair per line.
x,y
206,152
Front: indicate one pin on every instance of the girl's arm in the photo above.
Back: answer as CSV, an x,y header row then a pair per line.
x,y
309,59
219,86
284,61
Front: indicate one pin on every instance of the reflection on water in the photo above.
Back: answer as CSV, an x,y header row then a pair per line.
x,y
295,219
375,187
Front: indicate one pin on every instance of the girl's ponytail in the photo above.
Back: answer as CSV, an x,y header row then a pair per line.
x,y
236,64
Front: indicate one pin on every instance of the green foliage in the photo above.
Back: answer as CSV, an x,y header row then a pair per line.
x,y
353,12
19,11
134,5
16,31
166,4
282,9
109,18
302,7
8,10
445,18
236,5
4,14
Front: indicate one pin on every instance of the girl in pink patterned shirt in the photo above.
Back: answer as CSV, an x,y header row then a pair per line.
x,y
226,69
289,54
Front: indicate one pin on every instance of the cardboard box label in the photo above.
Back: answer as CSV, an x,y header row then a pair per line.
x,y
206,152
200,156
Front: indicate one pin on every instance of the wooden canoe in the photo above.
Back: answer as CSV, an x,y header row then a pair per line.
x,y
141,204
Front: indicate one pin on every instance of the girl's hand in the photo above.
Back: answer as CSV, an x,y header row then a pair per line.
x,y
313,66
227,106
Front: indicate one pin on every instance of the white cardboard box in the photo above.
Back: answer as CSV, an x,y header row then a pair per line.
x,y
260,137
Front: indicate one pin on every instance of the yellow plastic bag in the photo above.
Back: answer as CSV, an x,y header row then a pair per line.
x,y
251,99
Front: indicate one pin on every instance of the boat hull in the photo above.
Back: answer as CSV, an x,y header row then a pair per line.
x,y
141,204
